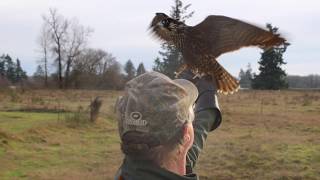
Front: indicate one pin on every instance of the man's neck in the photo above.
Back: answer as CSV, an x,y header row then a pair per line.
x,y
176,165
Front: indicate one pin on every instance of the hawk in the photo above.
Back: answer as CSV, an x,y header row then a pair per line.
x,y
202,44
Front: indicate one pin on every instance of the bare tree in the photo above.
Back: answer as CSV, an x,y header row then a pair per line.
x,y
57,27
77,38
96,68
91,61
94,61
44,43
107,61
67,39
113,78
87,66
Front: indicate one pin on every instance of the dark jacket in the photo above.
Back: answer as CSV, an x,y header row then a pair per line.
x,y
205,121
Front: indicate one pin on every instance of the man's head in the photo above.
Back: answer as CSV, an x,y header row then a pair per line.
x,y
155,115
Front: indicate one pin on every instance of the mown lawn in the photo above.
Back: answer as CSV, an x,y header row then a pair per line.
x,y
264,135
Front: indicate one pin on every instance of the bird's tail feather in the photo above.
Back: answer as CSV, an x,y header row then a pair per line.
x,y
225,82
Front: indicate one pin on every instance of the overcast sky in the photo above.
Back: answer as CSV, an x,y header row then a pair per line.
x,y
120,27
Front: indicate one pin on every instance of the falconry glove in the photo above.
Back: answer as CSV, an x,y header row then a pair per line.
x,y
207,98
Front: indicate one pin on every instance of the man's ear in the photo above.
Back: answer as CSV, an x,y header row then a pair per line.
x,y
188,134
186,138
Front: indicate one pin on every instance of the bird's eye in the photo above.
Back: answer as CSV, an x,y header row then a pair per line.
x,y
164,22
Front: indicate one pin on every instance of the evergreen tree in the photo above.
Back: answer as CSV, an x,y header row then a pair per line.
x,y
2,66
20,74
246,77
140,69
171,58
130,70
39,74
10,69
271,75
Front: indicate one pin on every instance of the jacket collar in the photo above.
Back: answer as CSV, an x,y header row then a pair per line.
x,y
133,169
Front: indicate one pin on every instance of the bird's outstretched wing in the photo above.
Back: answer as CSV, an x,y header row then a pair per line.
x,y
224,34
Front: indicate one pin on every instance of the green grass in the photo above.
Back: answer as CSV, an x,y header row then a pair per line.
x,y
60,148
37,145
2,151
20,121
304,154
15,174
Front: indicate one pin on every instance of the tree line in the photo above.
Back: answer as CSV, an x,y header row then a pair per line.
x,y
11,71
311,81
92,69
95,69
63,43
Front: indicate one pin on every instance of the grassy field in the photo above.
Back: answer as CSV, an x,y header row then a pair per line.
x,y
264,135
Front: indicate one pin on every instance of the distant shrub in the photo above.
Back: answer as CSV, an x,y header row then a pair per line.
x,y
4,82
14,96
77,118
37,100
307,100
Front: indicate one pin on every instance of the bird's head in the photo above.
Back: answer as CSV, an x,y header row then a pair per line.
x,y
163,26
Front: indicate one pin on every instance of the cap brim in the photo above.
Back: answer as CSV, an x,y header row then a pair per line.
x,y
190,88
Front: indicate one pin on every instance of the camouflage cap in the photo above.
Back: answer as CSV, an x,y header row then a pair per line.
x,y
156,105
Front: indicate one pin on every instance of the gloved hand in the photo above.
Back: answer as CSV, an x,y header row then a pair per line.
x,y
207,98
